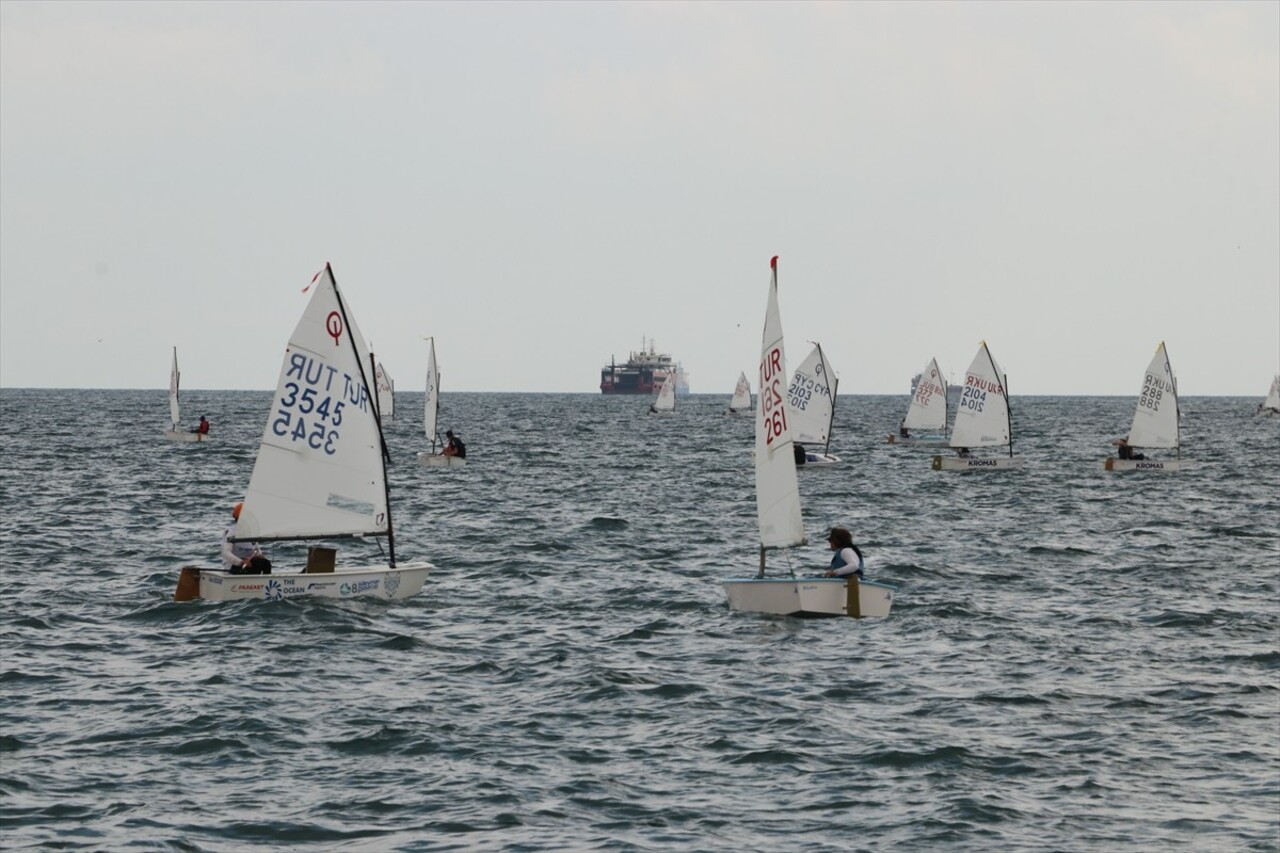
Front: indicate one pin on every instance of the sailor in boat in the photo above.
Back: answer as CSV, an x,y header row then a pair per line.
x,y
798,449
454,446
848,559
203,427
963,452
242,558
903,431
1126,451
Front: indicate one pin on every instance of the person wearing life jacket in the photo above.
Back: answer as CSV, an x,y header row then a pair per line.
x,y
202,428
242,558
454,445
848,559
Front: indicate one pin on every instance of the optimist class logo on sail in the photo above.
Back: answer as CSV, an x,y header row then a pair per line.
x,y
313,395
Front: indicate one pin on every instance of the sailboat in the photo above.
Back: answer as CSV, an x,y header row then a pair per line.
x,y
927,411
982,419
1271,405
740,403
666,402
175,432
1155,422
321,469
778,505
430,408
811,399
386,393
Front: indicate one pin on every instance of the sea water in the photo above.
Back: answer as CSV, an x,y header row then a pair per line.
x,y
1076,660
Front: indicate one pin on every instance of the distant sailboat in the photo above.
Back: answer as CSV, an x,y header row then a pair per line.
x,y
666,402
811,398
1271,405
175,432
386,393
983,419
741,401
430,410
778,505
927,412
321,470
1155,422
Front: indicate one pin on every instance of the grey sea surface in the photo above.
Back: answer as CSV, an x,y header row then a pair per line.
x,y
1076,660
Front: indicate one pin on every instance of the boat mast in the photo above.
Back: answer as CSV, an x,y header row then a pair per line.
x,y
377,419
1004,389
831,390
1177,406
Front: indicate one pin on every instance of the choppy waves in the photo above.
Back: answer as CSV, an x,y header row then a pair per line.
x,y
1076,660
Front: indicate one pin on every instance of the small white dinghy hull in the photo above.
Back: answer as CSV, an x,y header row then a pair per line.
x,y
403,581
819,460
182,436
810,596
923,441
977,463
439,460
1114,464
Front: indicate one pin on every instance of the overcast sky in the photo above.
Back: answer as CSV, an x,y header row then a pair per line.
x,y
540,186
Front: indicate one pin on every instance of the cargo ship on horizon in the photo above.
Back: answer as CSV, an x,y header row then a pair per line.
x,y
643,372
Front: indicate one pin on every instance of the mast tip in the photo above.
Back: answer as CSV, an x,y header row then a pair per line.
x,y
773,262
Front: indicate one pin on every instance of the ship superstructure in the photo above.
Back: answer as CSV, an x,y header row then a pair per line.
x,y
643,372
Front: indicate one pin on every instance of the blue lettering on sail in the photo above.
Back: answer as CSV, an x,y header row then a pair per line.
x,y
309,414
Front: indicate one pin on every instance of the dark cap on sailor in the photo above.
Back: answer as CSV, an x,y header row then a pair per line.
x,y
449,433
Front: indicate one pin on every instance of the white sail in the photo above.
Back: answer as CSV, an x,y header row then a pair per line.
x,y
741,395
982,416
811,399
1155,421
1273,396
432,396
386,393
175,414
928,409
666,401
777,488
320,469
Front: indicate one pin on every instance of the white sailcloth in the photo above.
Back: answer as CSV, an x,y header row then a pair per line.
x,y
175,413
741,394
1273,396
928,409
982,416
319,470
666,401
386,393
777,488
1155,420
811,399
431,397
